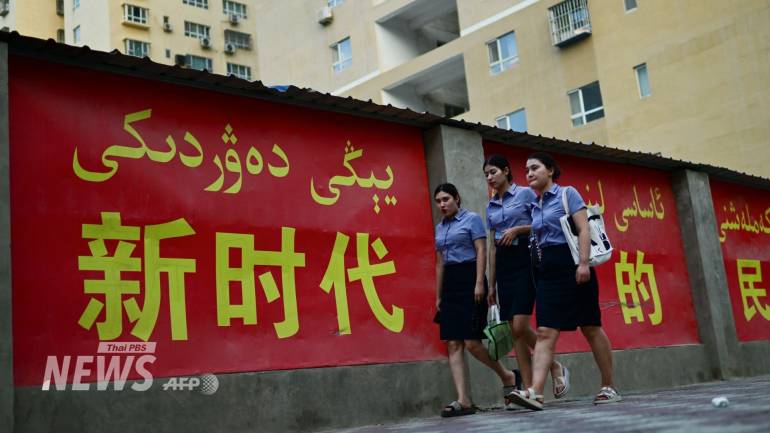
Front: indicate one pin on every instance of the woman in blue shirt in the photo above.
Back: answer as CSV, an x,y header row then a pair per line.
x,y
461,293
509,219
567,294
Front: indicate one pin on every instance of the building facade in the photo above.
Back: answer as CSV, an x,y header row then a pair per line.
x,y
683,78
215,35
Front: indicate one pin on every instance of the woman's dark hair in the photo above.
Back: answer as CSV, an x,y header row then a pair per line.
x,y
500,162
548,162
449,189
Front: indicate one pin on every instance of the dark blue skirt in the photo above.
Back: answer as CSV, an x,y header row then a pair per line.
x,y
461,317
515,286
561,302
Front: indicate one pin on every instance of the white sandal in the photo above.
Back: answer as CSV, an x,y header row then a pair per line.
x,y
562,381
527,399
606,395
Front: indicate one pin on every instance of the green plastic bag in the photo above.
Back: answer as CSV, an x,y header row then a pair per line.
x,y
498,334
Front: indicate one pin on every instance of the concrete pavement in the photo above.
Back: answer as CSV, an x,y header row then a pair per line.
x,y
675,410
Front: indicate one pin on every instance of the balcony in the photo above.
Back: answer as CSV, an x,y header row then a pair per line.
x,y
440,89
569,22
415,29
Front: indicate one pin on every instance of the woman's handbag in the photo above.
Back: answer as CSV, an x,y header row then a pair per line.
x,y
498,334
601,249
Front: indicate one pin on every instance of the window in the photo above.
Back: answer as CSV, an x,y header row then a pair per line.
x,y
60,7
239,71
135,14
136,48
234,8
240,40
502,53
199,63
76,35
334,3
586,104
642,80
630,5
569,21
75,4
168,53
195,30
60,36
516,121
197,3
341,55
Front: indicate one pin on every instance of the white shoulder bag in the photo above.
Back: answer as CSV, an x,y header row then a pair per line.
x,y
601,249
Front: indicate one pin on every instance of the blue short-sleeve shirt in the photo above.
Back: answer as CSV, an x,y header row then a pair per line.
x,y
513,209
545,218
455,236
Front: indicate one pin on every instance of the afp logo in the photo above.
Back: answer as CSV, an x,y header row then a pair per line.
x,y
206,384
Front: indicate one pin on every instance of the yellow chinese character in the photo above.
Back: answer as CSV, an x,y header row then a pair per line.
x,y
113,287
749,292
287,259
364,272
635,286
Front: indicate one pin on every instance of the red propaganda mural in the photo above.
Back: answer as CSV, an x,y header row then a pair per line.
x,y
644,290
743,225
218,233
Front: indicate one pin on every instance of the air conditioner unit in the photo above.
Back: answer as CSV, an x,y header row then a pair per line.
x,y
230,48
167,27
180,60
325,15
234,19
205,42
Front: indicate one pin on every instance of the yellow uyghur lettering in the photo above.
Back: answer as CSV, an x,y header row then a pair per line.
x,y
742,220
630,277
233,162
114,288
287,259
654,209
350,178
749,275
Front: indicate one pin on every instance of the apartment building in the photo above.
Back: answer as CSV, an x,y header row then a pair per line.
x,y
215,35
685,78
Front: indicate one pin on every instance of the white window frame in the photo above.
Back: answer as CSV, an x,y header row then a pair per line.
x,y
507,120
209,63
583,114
203,4
334,3
627,9
129,46
77,35
196,30
234,8
501,64
637,70
128,17
340,64
240,71
238,39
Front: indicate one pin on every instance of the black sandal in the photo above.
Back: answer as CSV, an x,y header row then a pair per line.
x,y
456,409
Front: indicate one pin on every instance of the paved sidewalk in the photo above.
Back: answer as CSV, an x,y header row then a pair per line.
x,y
683,409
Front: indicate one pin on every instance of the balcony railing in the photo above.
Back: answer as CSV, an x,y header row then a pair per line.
x,y
569,21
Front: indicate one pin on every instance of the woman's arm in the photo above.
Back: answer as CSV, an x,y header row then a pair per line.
x,y
491,299
439,277
580,218
512,233
481,265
